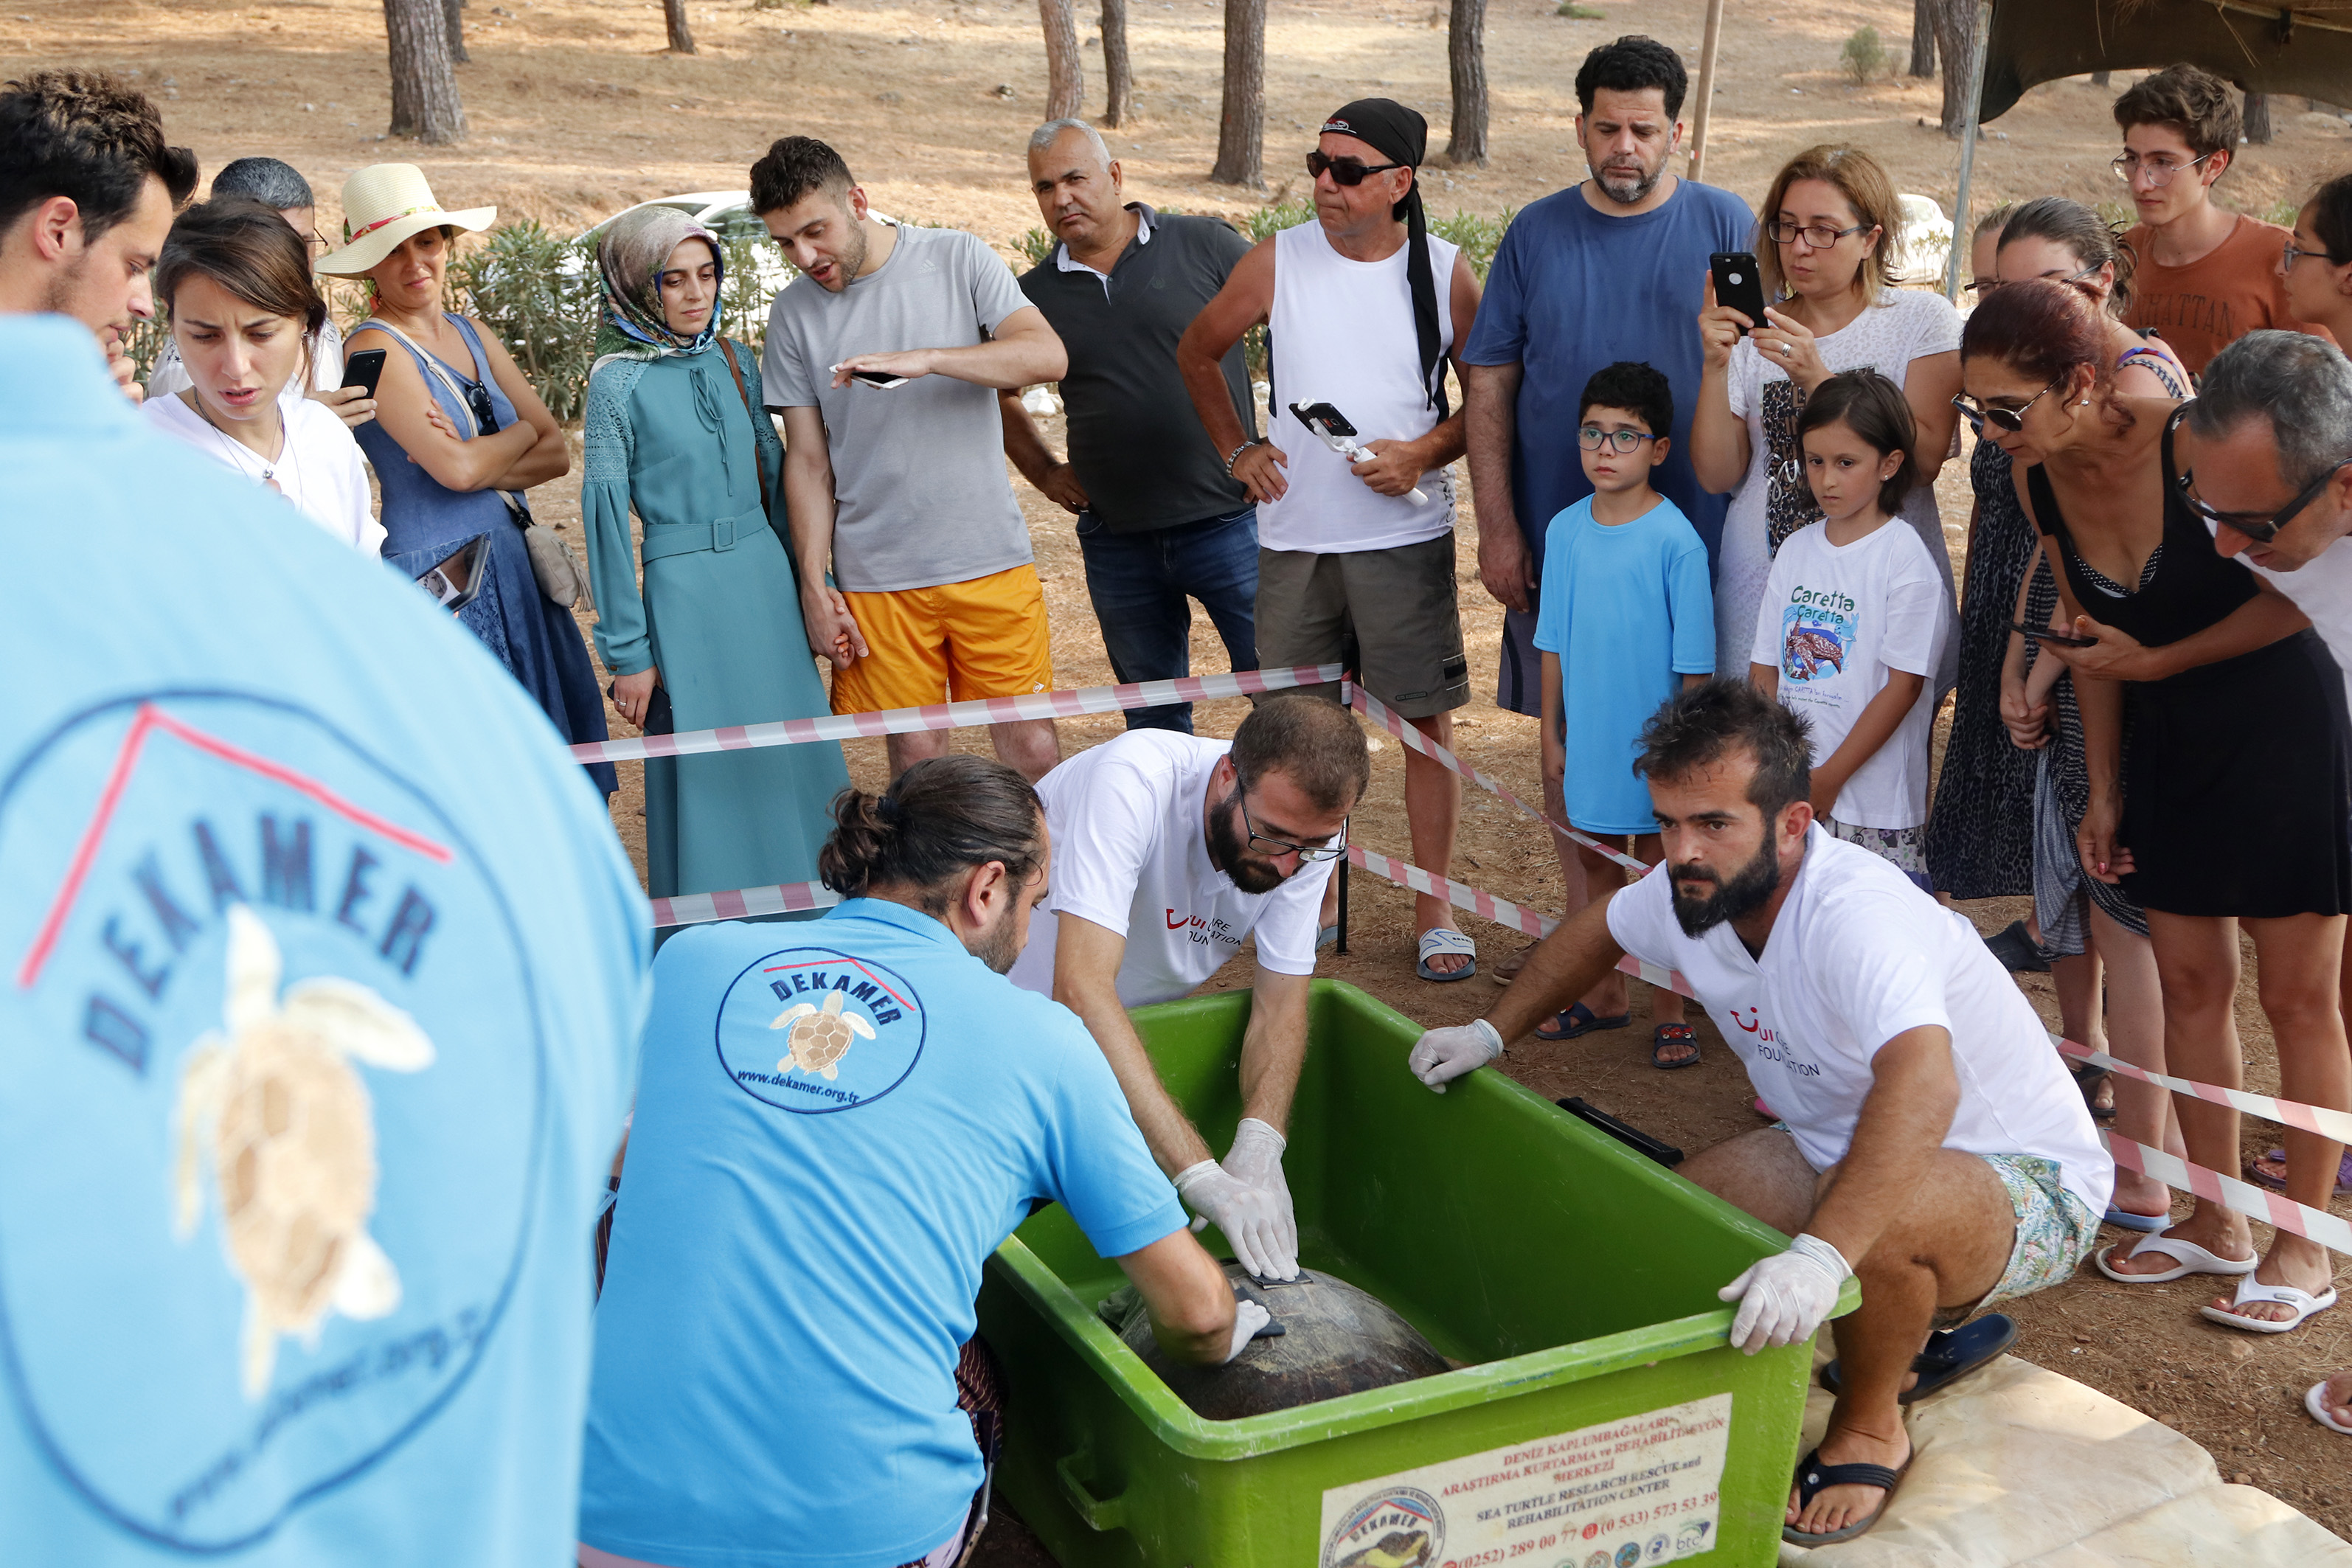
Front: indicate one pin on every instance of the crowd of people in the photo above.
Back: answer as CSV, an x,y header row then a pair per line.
x,y
1729,607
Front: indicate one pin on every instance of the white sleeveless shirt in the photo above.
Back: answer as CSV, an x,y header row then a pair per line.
x,y
1342,333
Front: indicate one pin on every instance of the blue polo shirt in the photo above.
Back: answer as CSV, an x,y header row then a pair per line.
x,y
324,973
837,1123
1573,291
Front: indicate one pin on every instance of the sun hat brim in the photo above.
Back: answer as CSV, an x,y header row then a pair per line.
x,y
378,243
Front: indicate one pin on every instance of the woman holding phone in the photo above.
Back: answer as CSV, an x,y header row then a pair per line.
x,y
235,282
1821,240
675,430
457,437
2232,805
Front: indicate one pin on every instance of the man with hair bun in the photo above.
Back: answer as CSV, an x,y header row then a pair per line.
x,y
1175,850
837,1123
1930,1144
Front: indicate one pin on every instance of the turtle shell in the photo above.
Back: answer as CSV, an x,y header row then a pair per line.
x,y
818,1040
1336,1339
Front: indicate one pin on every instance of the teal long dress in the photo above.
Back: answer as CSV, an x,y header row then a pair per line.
x,y
720,617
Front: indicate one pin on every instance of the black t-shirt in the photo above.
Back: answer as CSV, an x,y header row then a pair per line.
x,y
1138,447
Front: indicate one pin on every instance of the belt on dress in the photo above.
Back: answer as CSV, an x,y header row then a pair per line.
x,y
686,537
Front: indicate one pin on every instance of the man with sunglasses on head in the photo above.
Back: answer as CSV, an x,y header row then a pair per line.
x,y
1170,850
1363,308
2205,276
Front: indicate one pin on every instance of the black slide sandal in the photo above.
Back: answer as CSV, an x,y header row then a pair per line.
x,y
1813,1478
1950,1354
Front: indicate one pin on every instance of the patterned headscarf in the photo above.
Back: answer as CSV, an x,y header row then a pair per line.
x,y
631,254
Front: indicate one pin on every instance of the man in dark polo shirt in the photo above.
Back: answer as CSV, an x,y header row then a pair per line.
x,y
1159,517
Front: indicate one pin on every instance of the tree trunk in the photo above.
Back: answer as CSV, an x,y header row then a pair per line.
x,y
1955,41
681,37
424,78
1241,128
2099,78
1465,59
1118,77
2258,117
453,13
1923,37
1066,67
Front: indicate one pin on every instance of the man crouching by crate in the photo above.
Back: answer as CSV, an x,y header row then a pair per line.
x,y
1930,1142
837,1123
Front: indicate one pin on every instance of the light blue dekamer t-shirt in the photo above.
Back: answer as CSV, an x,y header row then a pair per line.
x,y
799,1238
324,973
1628,611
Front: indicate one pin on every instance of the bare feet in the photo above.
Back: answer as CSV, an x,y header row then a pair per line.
x,y
1835,1508
2335,1396
2139,1195
2292,1261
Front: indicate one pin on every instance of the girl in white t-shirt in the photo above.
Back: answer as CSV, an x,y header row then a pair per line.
x,y
236,281
1854,620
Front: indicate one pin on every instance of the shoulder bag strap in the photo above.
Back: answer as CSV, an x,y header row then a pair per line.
x,y
758,467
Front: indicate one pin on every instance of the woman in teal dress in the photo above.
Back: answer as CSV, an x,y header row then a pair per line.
x,y
672,433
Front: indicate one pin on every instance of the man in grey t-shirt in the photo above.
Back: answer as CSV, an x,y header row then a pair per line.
x,y
885,357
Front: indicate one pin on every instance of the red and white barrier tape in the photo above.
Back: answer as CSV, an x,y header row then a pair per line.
x,y
696,909
2335,1124
1066,704
1372,708
2255,1202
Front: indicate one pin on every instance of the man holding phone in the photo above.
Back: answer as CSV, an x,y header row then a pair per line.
x,y
1600,272
917,580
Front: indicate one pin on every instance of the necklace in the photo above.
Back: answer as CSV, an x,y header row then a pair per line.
x,y
239,451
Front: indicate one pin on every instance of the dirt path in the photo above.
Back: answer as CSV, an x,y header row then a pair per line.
x,y
576,112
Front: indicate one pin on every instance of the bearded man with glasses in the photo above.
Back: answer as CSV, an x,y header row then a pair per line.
x,y
2206,275
1170,851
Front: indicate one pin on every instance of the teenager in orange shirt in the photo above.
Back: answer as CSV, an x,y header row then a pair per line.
x,y
2206,276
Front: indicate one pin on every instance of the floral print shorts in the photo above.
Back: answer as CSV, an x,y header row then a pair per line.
x,y
2055,1230
1904,848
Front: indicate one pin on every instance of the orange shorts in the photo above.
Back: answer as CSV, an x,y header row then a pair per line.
x,y
983,638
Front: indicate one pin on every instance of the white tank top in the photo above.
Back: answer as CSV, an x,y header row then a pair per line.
x,y
1342,333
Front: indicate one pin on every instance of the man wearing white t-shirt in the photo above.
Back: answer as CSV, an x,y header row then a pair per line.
x,y
1931,1143
1170,850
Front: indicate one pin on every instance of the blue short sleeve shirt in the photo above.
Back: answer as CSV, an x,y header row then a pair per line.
x,y
838,1121
324,977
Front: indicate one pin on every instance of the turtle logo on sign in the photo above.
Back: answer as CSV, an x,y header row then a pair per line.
x,y
1396,1527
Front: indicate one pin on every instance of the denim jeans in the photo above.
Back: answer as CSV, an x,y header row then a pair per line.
x,y
1139,583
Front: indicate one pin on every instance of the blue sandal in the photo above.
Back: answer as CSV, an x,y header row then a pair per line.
x,y
1578,1020
1813,1478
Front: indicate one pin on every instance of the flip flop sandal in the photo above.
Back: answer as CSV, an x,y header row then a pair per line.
x,y
1327,937
2189,1257
1666,1035
2256,1174
2088,1080
2149,1222
1508,970
2314,1400
2305,1304
1813,1478
1444,939
1951,1355
1581,1020
2017,951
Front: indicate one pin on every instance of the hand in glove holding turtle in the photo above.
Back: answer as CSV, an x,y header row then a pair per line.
x,y
1248,1318
1246,1198
1784,1299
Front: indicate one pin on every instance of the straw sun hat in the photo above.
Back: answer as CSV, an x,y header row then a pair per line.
x,y
385,204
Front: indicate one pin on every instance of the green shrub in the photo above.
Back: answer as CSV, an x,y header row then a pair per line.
x,y
1576,13
1478,236
539,292
1037,244
1864,56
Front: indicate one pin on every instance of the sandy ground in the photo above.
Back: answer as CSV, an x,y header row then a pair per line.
x,y
577,109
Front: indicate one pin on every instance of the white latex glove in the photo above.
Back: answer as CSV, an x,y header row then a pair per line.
x,y
1443,1054
1785,1298
1246,1198
1248,1318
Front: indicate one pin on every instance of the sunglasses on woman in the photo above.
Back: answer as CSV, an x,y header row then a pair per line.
x,y
1345,171
2261,531
2010,419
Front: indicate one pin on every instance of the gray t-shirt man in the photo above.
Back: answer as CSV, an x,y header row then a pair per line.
x,y
920,487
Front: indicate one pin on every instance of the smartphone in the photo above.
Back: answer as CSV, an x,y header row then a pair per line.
x,y
1323,419
882,378
455,580
1737,285
2043,634
364,369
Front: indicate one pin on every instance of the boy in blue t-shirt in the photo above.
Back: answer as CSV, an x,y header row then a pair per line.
x,y
1625,608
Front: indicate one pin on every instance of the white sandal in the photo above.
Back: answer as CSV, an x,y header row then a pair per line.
x,y
2191,1257
2314,1400
2251,1290
1444,941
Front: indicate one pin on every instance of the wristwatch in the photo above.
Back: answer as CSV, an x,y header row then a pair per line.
x,y
1235,456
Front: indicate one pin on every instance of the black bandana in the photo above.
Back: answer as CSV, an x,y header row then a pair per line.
x,y
1401,136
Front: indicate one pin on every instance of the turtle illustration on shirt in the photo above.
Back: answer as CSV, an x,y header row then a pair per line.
x,y
1807,648
817,1038
274,1105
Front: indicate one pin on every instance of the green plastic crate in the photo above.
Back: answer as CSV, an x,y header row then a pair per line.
x,y
1576,1277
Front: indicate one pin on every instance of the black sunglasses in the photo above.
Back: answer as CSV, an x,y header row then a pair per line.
x,y
2010,419
2260,532
477,401
1344,170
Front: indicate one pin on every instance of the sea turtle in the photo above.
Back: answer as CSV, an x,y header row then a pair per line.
x,y
1397,1548
819,1038
273,1101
